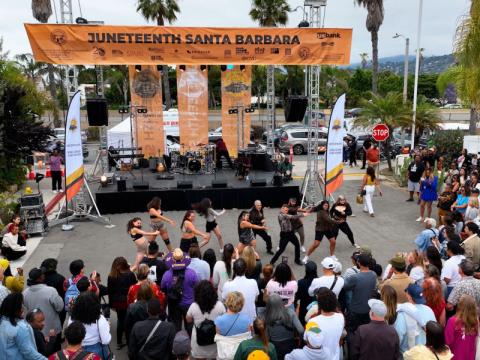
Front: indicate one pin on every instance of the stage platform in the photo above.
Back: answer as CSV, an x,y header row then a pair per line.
x,y
238,194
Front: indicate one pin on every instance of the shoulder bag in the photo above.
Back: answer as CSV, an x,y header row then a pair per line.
x,y
150,335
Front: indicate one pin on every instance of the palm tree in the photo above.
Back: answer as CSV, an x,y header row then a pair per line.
x,y
374,21
364,62
389,110
32,69
160,11
428,118
42,10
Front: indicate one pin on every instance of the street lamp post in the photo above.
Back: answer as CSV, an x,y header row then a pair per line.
x,y
405,78
417,69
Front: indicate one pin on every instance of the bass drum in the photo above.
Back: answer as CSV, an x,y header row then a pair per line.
x,y
194,165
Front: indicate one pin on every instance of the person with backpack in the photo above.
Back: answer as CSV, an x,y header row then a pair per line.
x,y
119,281
202,313
178,284
152,338
77,269
74,334
157,266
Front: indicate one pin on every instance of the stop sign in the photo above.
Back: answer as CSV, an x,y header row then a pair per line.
x,y
380,132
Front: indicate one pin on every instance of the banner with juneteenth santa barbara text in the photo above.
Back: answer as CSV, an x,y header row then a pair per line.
x,y
146,93
236,91
73,149
192,94
334,156
133,45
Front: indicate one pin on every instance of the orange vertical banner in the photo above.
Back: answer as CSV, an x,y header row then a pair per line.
x,y
192,94
236,94
146,92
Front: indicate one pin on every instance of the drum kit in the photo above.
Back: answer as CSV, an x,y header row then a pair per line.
x,y
191,162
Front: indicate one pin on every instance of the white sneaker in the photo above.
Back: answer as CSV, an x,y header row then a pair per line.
x,y
303,249
278,248
54,191
221,251
305,259
356,246
420,219
61,190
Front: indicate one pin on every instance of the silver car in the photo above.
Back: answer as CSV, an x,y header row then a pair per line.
x,y
297,138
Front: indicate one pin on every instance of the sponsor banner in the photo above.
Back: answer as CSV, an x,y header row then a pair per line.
x,y
146,93
192,94
73,149
236,91
334,157
132,45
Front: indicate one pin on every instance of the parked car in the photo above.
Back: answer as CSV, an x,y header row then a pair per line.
x,y
278,131
217,134
353,113
297,137
452,106
60,146
59,133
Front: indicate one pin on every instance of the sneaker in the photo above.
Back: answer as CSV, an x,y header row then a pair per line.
x,y
356,246
60,190
270,252
372,215
420,219
334,257
365,211
54,191
305,259
221,251
298,262
303,249
410,200
278,248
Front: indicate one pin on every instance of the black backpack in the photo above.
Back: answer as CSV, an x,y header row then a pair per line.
x,y
206,333
175,293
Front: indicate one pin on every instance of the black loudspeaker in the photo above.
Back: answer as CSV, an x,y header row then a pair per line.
x,y
184,184
152,164
277,180
143,163
140,185
258,182
219,183
97,112
122,185
295,108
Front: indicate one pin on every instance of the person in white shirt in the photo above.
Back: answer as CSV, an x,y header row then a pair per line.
x,y
329,280
329,321
248,288
450,273
198,265
10,248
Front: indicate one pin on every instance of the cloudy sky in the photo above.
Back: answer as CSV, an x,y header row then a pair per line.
x,y
439,21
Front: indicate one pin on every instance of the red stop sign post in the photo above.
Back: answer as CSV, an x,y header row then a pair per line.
x,y
380,133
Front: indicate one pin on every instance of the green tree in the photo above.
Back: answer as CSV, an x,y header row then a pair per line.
x,y
160,11
428,118
427,86
359,85
333,82
389,82
389,110
374,21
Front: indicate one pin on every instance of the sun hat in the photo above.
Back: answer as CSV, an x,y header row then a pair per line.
x,y
177,259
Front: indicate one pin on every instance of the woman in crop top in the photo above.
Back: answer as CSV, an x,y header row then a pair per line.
x,y
189,231
140,238
158,220
245,232
204,208
369,184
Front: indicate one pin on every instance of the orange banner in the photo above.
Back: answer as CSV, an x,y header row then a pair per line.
x,y
146,92
131,45
192,94
236,94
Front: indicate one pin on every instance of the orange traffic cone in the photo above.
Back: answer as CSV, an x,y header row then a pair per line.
x,y
31,175
48,173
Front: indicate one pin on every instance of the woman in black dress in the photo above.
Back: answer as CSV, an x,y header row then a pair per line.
x,y
339,212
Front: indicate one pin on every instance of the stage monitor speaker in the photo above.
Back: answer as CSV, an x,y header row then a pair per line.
x,y
97,112
277,180
184,184
258,182
295,108
121,185
140,185
219,183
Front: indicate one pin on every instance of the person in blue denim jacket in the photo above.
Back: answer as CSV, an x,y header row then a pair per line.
x,y
17,340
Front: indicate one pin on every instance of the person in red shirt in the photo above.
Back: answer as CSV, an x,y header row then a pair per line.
x,y
373,156
222,151
142,277
74,333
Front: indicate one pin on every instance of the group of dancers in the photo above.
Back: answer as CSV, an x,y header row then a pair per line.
x,y
250,224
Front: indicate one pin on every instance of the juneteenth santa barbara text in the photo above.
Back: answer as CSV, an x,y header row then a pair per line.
x,y
207,39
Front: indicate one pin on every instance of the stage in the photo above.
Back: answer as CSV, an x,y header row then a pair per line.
x,y
237,194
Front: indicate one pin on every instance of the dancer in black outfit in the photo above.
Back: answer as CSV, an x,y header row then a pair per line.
x,y
257,218
339,212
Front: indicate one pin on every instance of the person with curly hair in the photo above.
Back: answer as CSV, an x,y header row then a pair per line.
x,y
433,294
86,309
205,307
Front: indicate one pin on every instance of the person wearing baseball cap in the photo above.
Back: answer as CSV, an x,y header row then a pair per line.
x,y
377,339
329,279
398,278
181,345
315,345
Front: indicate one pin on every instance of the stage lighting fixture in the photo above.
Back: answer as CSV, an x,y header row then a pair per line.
x,y
249,110
138,68
304,24
123,109
183,68
232,111
160,69
223,67
81,20
242,67
142,110
203,67
103,180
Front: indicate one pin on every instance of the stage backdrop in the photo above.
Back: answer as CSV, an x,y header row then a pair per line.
x,y
192,94
334,157
73,149
131,45
146,91
236,90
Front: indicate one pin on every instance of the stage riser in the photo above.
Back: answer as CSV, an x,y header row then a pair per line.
x,y
115,202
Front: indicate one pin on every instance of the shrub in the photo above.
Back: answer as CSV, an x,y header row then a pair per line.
x,y
449,143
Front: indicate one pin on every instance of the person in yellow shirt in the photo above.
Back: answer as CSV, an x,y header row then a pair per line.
x,y
12,283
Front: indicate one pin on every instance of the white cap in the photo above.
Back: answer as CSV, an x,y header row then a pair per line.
x,y
378,307
328,263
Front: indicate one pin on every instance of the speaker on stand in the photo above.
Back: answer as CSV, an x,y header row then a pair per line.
x,y
295,108
97,112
